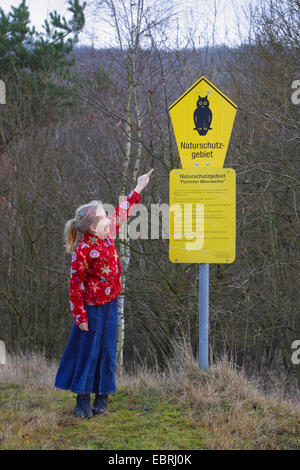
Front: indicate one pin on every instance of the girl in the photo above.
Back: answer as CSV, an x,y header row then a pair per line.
x,y
89,361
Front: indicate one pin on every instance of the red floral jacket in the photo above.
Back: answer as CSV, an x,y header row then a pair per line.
x,y
95,275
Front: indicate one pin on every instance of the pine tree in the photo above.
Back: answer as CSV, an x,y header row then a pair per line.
x,y
30,63
22,47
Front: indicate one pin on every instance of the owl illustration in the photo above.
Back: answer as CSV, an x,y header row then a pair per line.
x,y
202,116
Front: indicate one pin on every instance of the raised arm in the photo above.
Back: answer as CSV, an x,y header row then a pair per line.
x,y
143,181
122,212
124,209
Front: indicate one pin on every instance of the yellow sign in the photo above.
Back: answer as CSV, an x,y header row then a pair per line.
x,y
202,216
202,120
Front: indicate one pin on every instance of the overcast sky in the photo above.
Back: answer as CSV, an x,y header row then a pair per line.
x,y
193,13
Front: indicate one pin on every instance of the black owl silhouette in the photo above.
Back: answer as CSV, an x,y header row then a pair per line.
x,y
202,116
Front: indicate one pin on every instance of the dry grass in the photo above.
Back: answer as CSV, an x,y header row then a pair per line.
x,y
28,370
233,409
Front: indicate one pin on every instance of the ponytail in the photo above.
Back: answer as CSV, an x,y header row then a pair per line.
x,y
70,235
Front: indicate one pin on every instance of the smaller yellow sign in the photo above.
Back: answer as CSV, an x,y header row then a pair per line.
x,y
202,119
202,215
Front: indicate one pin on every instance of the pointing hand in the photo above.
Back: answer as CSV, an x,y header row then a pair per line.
x,y
143,180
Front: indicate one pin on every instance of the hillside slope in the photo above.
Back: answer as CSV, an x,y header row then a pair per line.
x,y
185,408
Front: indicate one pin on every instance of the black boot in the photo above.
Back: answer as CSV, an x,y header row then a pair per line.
x,y
100,404
83,408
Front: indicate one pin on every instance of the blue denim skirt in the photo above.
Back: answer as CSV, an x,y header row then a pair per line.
x,y
89,361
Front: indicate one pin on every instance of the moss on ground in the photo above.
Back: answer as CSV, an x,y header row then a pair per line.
x,y
44,419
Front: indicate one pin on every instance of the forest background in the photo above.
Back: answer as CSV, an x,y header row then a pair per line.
x,y
82,123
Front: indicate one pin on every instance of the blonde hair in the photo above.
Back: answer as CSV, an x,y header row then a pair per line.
x,y
85,216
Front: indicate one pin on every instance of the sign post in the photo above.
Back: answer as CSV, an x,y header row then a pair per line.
x,y
202,193
203,315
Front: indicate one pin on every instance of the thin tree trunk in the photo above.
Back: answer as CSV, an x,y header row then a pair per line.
x,y
123,255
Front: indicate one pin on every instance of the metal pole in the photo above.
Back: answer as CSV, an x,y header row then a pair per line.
x,y
203,314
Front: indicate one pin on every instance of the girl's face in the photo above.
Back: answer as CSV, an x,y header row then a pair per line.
x,y
102,227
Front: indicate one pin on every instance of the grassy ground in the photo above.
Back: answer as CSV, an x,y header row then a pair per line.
x,y
44,419
185,408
